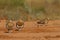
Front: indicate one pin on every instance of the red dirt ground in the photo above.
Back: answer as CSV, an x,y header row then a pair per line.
x,y
32,32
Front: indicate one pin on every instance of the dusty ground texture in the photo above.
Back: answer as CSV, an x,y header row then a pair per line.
x,y
32,32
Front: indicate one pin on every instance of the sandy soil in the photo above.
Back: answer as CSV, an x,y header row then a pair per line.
x,y
32,32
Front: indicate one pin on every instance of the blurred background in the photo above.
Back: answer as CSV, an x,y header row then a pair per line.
x,y
29,10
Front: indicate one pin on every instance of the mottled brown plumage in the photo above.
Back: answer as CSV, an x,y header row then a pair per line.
x,y
9,25
19,24
43,21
